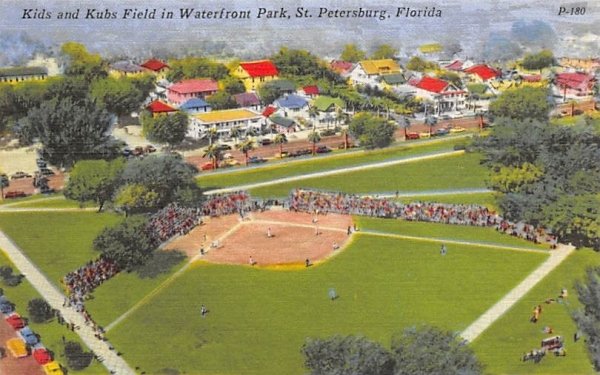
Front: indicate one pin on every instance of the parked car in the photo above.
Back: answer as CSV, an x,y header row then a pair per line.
x,y
256,160
323,150
412,135
126,152
15,194
149,149
266,141
442,131
46,190
208,166
424,135
224,147
457,129
28,336
41,163
283,154
20,175
445,117
230,163
46,172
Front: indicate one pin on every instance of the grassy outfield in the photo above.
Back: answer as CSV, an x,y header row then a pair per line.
x,y
258,319
484,199
460,171
28,198
57,242
58,201
503,344
444,231
297,167
51,333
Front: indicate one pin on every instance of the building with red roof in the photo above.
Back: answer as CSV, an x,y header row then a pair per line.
x,y
181,91
157,107
311,91
342,68
574,85
445,96
483,72
455,65
255,73
155,66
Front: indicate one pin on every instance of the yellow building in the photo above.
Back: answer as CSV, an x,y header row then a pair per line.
x,y
20,74
255,73
366,72
588,65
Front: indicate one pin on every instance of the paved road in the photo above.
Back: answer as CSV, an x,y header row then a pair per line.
x,y
55,298
337,171
495,312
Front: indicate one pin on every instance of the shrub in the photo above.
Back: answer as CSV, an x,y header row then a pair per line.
x,y
77,359
39,310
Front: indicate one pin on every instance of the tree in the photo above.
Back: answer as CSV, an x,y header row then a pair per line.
x,y
301,63
588,317
94,180
119,96
245,147
431,122
221,100
213,152
522,103
196,67
39,310
352,53
575,219
428,350
71,131
233,85
212,134
82,63
128,243
269,93
162,174
166,128
515,179
235,133
384,51
346,356
451,77
77,359
314,138
405,124
136,198
540,60
280,139
419,65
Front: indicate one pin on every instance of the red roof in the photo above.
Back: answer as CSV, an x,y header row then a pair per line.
x,y
573,80
483,71
42,356
191,86
154,64
455,65
532,78
432,84
262,68
159,107
269,111
311,90
341,66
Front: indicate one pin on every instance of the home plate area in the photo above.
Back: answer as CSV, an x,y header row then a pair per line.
x,y
270,238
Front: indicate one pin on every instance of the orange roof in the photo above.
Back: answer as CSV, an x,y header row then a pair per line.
x,y
483,71
261,68
154,64
159,107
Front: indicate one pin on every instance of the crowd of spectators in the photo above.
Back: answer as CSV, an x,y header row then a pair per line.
x,y
173,220
459,214
85,279
227,203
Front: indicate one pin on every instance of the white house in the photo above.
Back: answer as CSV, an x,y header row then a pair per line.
x,y
444,96
223,121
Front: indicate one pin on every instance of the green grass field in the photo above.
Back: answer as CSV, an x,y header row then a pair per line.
x,y
454,172
259,319
52,202
503,344
444,231
293,167
57,242
51,333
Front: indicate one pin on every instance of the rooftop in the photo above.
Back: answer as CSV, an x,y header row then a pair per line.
x,y
159,107
431,84
194,103
154,64
323,103
483,71
282,121
384,66
22,71
291,101
246,99
260,68
191,86
238,114
126,66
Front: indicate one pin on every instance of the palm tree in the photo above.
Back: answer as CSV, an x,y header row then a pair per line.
x,y
245,147
235,133
345,134
405,125
214,153
314,138
251,132
431,122
480,115
280,139
211,134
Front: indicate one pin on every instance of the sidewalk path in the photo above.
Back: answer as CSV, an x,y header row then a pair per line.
x,y
114,363
332,172
502,306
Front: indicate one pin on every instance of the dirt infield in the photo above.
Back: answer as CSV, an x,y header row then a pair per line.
x,y
293,238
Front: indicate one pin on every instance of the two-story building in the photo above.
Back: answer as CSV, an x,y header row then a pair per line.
x,y
158,107
443,96
574,85
223,121
255,73
156,67
181,91
367,72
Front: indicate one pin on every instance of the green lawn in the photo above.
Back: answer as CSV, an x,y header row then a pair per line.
x,y
454,172
483,199
502,345
259,319
443,231
52,202
57,242
28,198
51,333
298,167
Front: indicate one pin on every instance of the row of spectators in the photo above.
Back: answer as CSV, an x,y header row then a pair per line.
x,y
227,203
173,220
85,279
459,214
